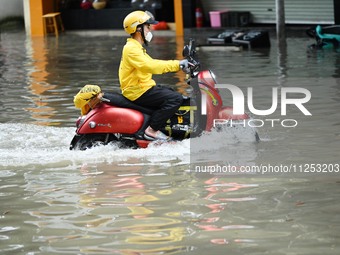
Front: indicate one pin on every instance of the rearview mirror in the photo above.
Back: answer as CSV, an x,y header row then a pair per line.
x,y
186,51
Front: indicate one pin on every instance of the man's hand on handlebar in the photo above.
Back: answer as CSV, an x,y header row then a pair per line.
x,y
183,63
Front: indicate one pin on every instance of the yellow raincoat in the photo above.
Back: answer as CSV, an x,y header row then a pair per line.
x,y
136,69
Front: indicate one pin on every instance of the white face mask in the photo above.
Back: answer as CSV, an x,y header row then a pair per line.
x,y
148,37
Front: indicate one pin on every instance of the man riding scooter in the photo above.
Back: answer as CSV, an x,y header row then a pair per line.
x,y
136,70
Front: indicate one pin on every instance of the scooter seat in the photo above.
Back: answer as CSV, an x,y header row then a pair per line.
x,y
116,99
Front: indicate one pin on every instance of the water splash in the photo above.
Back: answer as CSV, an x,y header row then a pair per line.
x,y
27,144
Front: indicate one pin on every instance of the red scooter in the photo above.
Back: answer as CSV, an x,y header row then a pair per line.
x,y
117,119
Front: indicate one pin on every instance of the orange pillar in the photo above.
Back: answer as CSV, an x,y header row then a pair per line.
x,y
36,13
178,17
37,8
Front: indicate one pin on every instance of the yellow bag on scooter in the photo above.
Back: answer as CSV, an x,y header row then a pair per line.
x,y
87,98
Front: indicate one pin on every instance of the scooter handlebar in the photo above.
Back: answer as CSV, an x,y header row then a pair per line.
x,y
189,53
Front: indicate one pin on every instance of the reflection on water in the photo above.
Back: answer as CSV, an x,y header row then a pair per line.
x,y
38,76
147,209
112,201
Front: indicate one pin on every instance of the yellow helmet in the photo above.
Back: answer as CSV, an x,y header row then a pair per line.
x,y
136,18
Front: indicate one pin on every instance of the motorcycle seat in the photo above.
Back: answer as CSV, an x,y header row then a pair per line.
x,y
117,99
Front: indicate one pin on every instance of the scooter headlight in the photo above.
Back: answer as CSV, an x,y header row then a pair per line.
x,y
92,124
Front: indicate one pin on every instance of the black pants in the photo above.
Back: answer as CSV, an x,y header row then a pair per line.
x,y
165,102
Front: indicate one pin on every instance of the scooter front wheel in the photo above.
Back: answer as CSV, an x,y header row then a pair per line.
x,y
87,141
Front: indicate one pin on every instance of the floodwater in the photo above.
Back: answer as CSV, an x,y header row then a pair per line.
x,y
155,201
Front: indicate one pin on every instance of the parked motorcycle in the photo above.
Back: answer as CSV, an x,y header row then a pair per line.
x,y
326,37
117,119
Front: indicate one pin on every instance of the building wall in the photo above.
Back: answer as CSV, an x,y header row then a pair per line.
x,y
10,8
264,11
